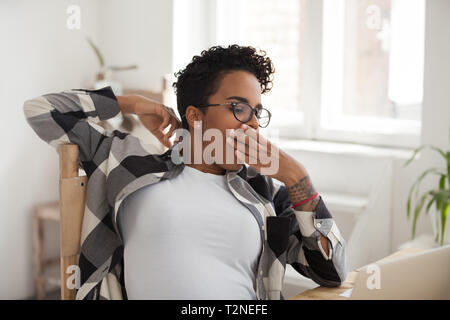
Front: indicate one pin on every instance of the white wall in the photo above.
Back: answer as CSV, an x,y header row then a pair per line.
x,y
40,55
137,32
435,115
193,29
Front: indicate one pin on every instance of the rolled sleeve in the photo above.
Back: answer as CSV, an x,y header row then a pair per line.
x,y
319,220
72,116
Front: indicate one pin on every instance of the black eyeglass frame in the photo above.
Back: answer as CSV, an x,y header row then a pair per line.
x,y
233,105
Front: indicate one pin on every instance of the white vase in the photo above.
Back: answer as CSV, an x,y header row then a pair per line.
x,y
105,79
115,86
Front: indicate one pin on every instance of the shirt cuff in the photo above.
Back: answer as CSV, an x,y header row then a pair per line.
x,y
308,223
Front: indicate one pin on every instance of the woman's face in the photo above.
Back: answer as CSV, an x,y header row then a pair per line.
x,y
236,86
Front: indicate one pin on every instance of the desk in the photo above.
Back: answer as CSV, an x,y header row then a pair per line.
x,y
326,293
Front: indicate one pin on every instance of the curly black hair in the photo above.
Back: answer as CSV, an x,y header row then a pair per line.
x,y
201,77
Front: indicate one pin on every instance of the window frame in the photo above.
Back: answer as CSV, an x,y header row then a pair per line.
x,y
376,132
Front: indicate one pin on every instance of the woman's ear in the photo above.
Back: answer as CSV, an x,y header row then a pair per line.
x,y
193,114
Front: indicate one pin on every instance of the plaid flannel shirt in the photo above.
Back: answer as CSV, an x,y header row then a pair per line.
x,y
118,164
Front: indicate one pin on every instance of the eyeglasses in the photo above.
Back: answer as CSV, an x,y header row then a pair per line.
x,y
243,112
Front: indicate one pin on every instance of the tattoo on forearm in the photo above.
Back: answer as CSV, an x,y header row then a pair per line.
x,y
303,190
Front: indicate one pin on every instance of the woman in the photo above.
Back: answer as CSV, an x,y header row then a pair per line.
x,y
205,227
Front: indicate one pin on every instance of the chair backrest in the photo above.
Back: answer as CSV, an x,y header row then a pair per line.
x,y
72,198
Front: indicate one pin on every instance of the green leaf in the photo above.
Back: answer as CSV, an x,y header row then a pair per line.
x,y
440,151
430,203
442,182
440,197
436,238
442,200
416,151
417,185
97,52
444,215
123,68
417,211
448,168
444,194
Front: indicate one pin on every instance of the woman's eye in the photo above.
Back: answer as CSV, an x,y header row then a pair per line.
x,y
236,110
240,108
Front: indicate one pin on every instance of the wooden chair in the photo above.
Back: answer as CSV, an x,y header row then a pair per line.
x,y
72,199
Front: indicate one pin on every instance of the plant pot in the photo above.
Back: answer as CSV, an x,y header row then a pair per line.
x,y
115,86
104,79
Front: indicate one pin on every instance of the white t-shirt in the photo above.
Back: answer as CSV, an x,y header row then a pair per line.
x,y
189,238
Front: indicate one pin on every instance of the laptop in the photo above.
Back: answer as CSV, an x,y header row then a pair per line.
x,y
424,275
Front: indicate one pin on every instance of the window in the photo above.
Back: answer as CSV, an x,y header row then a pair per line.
x,y
372,68
346,70
275,27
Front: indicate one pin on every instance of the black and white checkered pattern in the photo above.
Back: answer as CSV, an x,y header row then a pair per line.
x,y
118,164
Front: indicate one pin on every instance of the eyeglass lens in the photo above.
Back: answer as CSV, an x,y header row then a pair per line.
x,y
244,112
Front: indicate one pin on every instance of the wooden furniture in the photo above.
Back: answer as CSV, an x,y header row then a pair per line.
x,y
44,281
324,293
69,210
72,198
69,213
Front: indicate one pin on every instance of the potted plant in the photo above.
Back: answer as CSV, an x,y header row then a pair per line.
x,y
125,122
104,76
439,196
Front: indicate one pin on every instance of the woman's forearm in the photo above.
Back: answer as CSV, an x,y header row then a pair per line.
x,y
127,103
301,190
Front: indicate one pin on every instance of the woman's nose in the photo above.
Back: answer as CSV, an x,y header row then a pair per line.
x,y
253,122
